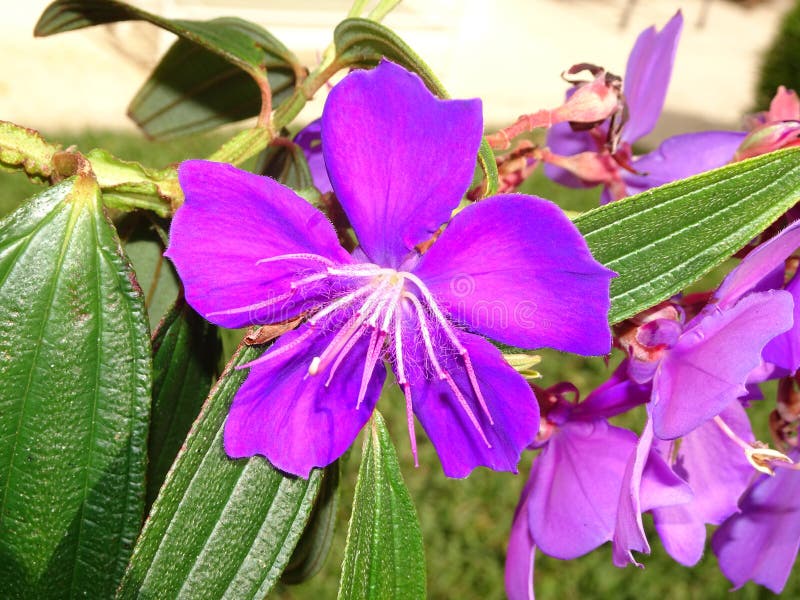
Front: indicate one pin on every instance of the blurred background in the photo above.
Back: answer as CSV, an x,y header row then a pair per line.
x,y
75,88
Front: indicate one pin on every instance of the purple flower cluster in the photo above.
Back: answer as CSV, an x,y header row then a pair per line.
x,y
694,364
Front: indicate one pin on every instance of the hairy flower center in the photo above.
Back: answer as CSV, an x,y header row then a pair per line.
x,y
392,308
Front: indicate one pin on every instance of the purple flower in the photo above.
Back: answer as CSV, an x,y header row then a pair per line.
x,y
510,267
309,138
761,541
645,86
569,505
748,332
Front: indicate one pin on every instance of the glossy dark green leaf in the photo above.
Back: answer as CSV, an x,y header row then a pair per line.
x,y
220,528
384,556
287,164
144,246
185,354
664,239
193,89
363,42
190,90
315,544
74,399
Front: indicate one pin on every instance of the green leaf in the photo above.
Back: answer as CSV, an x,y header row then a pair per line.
x,y
220,528
315,544
75,367
363,42
144,245
193,89
178,99
384,556
26,149
664,239
185,353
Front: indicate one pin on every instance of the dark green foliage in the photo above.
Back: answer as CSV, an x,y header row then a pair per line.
x,y
780,65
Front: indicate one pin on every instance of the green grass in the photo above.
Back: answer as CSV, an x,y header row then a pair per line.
x,y
464,522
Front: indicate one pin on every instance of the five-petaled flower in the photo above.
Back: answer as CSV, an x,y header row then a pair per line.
x,y
513,268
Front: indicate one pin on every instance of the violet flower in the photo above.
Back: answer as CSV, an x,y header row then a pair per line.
x,y
761,541
699,375
645,86
569,503
511,267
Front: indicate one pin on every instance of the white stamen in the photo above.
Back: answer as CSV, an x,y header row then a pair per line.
x,y
298,256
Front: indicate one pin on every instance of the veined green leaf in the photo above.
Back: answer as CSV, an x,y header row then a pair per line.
x,y
220,528
384,556
74,399
363,42
194,87
315,544
185,354
663,239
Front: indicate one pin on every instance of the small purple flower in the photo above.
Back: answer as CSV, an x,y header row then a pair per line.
x,y
569,504
760,542
510,267
645,86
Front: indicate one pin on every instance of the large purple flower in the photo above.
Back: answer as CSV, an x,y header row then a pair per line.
x,y
250,251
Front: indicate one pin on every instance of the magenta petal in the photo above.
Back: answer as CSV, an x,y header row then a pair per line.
x,y
399,158
683,535
232,219
718,473
309,138
647,77
628,529
536,284
293,418
760,263
761,542
709,366
508,396
682,156
784,350
521,553
617,395
576,483
562,140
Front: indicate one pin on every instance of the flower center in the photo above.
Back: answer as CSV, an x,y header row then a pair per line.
x,y
393,308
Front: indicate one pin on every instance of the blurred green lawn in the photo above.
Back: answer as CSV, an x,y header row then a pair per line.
x,y
464,522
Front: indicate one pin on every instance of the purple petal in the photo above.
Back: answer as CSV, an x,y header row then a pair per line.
x,y
515,268
761,542
784,350
628,528
521,553
399,158
617,395
647,77
309,138
509,400
293,418
576,483
230,221
718,473
709,366
562,140
682,156
681,532
763,262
